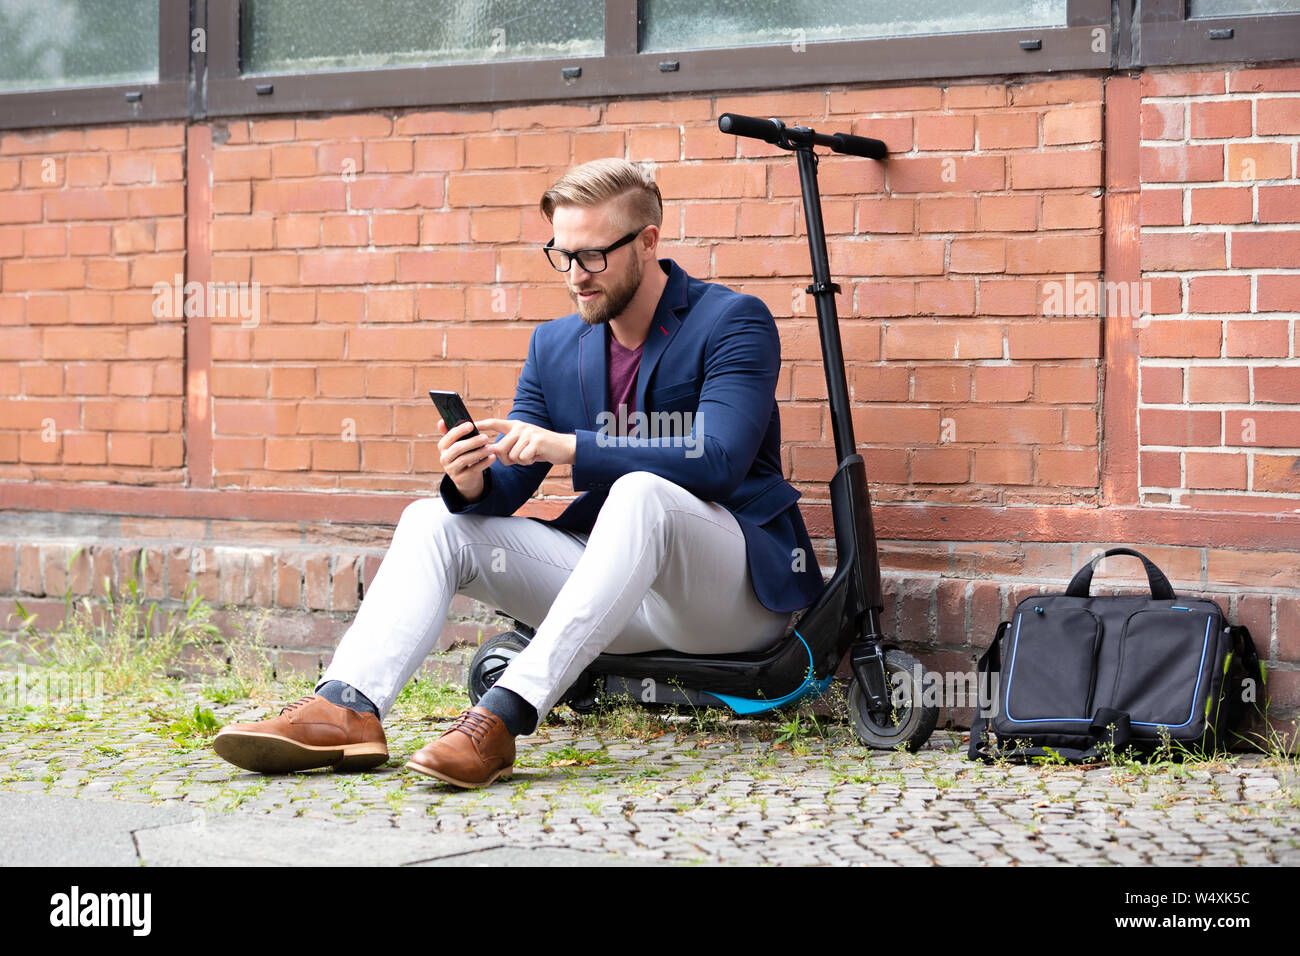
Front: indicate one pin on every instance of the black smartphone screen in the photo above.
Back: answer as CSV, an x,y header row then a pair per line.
x,y
452,408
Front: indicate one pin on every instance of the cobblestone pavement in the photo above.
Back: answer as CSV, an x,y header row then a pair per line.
x,y
656,791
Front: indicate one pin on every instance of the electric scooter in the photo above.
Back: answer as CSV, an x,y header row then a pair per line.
x,y
886,703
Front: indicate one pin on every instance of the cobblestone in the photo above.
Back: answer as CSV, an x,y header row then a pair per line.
x,y
725,795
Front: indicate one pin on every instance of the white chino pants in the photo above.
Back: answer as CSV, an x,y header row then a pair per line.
x,y
661,570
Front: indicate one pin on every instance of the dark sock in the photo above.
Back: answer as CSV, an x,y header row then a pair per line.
x,y
517,714
345,695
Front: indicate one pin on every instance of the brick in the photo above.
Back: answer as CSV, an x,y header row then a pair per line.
x,y
1008,213
1162,469
1226,205
1248,339
589,146
348,268
1279,204
345,230
1161,385
1223,384
1162,207
1066,468
1067,383
1181,338
1277,293
942,341
1182,83
1277,383
156,201
1277,249
287,197
1163,120
1003,466
1275,429
533,117
945,132
1277,473
1071,212
1158,426
952,214
1053,254
1072,125
1219,294
1181,164
968,174
1220,120
1277,117
390,156
234,197
1215,470
293,161
335,456
1054,340
1182,251
1015,425
1254,162
1280,80
1007,130
228,164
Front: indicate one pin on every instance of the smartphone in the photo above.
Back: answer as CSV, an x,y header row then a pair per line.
x,y
452,409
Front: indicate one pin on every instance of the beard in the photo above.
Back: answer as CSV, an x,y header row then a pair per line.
x,y
612,300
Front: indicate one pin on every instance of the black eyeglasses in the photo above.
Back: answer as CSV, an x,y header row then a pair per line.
x,y
591,260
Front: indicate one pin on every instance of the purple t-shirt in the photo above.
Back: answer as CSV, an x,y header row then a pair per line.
x,y
623,366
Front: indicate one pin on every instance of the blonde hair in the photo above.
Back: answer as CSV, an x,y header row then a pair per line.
x,y
597,182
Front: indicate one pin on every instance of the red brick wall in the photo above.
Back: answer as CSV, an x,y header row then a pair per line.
x,y
1007,438
1219,416
427,249
90,380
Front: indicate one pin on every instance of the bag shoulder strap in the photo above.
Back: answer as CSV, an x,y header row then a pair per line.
x,y
990,664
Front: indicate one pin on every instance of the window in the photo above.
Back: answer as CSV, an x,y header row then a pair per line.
x,y
268,56
291,36
87,61
700,24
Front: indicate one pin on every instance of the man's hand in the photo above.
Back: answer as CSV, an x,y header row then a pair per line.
x,y
523,444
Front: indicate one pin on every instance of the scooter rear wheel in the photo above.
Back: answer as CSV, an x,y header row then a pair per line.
x,y
910,722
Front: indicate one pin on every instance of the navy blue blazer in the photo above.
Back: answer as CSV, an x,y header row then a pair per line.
x,y
710,365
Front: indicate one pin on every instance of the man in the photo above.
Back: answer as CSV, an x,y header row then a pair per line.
x,y
690,541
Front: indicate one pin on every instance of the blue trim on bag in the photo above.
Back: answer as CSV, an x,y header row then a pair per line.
x,y
1205,644
1011,673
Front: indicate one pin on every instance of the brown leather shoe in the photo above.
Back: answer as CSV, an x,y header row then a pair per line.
x,y
474,751
311,732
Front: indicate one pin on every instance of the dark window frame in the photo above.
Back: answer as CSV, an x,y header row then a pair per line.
x,y
197,85
622,71
167,98
1166,36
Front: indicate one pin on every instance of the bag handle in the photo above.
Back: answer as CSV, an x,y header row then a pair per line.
x,y
1082,580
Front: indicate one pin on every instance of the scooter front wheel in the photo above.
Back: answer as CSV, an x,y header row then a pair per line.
x,y
909,721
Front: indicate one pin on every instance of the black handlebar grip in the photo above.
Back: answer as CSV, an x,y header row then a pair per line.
x,y
751,126
859,146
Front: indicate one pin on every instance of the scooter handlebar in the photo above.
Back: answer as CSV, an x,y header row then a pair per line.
x,y
771,131
859,146
751,126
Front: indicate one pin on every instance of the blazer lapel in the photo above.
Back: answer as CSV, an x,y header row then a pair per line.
x,y
593,372
662,329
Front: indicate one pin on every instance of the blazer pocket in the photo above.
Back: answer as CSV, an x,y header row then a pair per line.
x,y
675,397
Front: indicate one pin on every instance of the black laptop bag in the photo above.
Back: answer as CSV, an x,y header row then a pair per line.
x,y
1070,672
